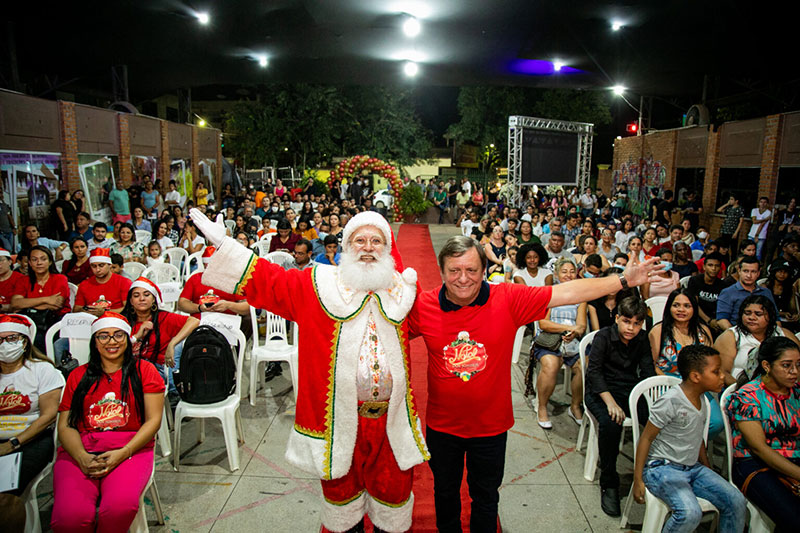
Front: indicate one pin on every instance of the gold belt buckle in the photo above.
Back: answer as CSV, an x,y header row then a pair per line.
x,y
373,409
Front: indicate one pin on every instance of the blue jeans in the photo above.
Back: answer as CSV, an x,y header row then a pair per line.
x,y
760,248
679,486
6,240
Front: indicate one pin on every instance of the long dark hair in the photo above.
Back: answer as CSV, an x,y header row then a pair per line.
x,y
668,323
770,351
769,308
51,269
130,315
131,382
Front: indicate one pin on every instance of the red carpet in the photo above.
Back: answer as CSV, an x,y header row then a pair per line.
x,y
414,243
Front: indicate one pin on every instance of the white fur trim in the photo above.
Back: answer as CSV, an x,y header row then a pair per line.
x,y
5,253
110,322
410,276
395,308
100,259
12,327
306,453
367,218
227,266
149,286
343,517
392,519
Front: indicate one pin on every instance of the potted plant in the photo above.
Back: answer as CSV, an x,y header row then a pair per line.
x,y
412,202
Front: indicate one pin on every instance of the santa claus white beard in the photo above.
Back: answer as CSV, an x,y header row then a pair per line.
x,y
366,276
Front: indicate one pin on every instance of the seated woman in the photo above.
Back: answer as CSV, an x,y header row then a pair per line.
x,y
31,387
635,253
587,245
757,322
568,321
779,283
650,244
160,235
157,335
530,262
664,282
139,222
495,251
190,240
77,268
109,416
305,230
682,327
44,297
765,413
127,246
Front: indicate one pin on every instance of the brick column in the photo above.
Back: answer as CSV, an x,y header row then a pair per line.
x,y
770,158
69,146
125,171
164,160
711,181
218,177
195,158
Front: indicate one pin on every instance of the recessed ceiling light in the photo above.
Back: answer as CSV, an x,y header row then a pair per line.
x,y
411,27
619,90
616,25
262,61
202,18
410,69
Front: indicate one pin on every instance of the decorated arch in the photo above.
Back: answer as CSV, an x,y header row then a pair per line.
x,y
354,166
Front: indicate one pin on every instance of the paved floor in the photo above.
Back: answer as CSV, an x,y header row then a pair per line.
x,y
543,490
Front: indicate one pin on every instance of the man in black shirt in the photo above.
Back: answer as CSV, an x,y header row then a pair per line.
x,y
706,289
664,209
452,191
620,358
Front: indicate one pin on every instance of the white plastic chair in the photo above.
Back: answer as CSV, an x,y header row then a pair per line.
x,y
759,521
697,254
656,510
33,522
143,236
231,225
585,342
73,290
133,269
257,219
175,255
761,282
78,348
518,344
266,237
162,273
684,281
567,371
280,258
226,411
274,348
197,258
261,247
59,264
656,305
139,524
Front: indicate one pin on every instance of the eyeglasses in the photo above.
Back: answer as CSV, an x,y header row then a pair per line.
x,y
105,338
790,367
10,338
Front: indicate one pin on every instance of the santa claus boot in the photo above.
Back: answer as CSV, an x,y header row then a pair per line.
x,y
358,528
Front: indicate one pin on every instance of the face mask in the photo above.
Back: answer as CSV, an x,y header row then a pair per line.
x,y
702,235
274,209
588,275
11,351
667,265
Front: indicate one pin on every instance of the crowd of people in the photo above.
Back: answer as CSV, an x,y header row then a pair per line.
x,y
730,316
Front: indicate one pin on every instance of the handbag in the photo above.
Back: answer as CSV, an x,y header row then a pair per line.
x,y
790,483
548,341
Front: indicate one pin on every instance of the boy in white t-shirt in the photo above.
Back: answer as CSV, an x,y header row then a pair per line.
x,y
671,456
761,217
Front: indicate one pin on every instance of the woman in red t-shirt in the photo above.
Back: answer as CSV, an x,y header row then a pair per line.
x,y
44,296
156,333
108,419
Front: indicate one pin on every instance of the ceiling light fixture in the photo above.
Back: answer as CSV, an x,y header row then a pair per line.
x,y
201,123
558,65
262,61
410,69
202,18
411,27
619,90
616,25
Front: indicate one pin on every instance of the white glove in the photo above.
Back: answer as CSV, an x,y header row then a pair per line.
x,y
214,232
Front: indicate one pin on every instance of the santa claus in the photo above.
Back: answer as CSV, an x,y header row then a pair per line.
x,y
356,425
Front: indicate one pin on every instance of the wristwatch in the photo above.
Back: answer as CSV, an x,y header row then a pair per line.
x,y
623,280
15,444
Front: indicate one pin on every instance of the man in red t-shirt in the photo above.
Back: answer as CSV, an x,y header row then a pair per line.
x,y
106,291
9,281
196,297
469,327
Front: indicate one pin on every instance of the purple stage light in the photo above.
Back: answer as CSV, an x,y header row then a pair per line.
x,y
539,67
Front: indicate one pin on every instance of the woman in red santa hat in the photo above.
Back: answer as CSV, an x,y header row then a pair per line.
x,y
108,419
356,425
30,387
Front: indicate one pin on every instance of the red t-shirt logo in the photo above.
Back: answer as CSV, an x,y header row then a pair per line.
x,y
465,357
108,413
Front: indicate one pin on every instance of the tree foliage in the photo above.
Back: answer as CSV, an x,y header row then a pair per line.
x,y
315,122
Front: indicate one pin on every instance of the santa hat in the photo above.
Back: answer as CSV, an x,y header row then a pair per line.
x,y
5,253
100,255
111,320
207,253
367,218
149,286
16,324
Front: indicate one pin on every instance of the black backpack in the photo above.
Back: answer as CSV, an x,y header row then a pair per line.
x,y
207,372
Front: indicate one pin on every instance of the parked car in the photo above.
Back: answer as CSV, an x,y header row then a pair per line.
x,y
383,198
